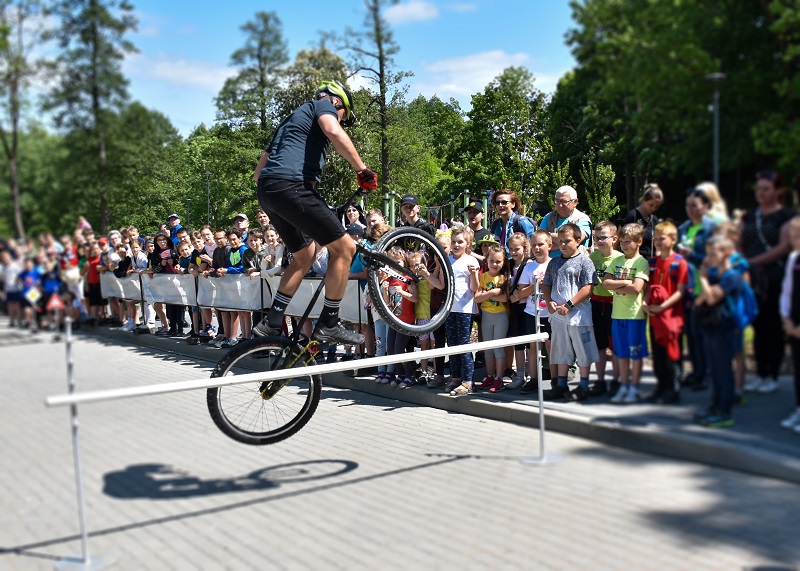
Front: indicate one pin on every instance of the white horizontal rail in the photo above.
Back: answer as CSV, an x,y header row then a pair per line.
x,y
207,383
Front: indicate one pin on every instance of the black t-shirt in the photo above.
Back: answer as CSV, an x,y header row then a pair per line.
x,y
646,250
422,224
299,147
478,234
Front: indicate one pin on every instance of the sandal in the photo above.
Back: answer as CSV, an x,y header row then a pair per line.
x,y
407,382
460,390
452,385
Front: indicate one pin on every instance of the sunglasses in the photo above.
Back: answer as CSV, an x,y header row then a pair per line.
x,y
769,175
502,202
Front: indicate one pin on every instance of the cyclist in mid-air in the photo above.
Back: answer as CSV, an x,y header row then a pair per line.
x,y
288,173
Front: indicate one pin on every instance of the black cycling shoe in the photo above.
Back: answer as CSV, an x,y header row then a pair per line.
x,y
263,329
598,388
338,333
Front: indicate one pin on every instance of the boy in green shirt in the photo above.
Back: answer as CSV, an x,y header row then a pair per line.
x,y
604,238
626,277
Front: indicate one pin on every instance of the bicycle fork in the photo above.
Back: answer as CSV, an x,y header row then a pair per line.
x,y
290,358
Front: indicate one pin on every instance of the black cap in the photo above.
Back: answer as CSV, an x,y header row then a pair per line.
x,y
409,199
474,203
355,229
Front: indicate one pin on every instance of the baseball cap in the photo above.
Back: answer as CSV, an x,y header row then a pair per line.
x,y
488,239
474,203
102,240
171,216
355,229
409,199
243,216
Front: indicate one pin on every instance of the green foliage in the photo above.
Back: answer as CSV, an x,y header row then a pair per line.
x,y
597,180
249,96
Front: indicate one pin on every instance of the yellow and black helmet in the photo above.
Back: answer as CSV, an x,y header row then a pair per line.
x,y
339,89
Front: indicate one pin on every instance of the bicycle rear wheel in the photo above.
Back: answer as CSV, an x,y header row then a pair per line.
x,y
410,240
262,412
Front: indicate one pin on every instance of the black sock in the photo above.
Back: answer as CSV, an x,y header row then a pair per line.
x,y
279,304
330,312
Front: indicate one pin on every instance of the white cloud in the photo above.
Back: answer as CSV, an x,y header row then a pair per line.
x,y
462,76
206,76
414,11
462,7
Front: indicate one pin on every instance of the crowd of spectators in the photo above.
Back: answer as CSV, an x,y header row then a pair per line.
x,y
607,292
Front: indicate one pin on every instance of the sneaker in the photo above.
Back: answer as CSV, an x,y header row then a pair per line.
x,y
632,396
452,385
578,394
508,372
194,339
718,421
515,383
556,393
435,382
339,333
792,422
218,341
331,358
487,382
498,385
263,329
461,390
530,387
704,414
752,383
767,386
163,331
379,377
209,332
387,379
614,388
619,396
598,388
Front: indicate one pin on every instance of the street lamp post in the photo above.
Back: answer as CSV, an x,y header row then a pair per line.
x,y
716,78
188,212
208,198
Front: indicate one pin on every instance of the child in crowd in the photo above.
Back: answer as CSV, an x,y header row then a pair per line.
x,y
422,309
566,287
790,312
91,271
541,244
255,256
139,264
437,298
669,276
235,266
605,241
13,289
741,265
493,300
721,286
29,279
273,250
160,262
626,278
185,263
124,268
219,260
203,250
458,324
401,297
519,249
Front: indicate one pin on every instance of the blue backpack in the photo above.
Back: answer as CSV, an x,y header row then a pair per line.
x,y
746,306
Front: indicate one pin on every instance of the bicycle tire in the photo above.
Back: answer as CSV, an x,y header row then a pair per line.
x,y
242,413
410,239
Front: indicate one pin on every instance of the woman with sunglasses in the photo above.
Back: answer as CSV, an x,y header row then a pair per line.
x,y
766,244
644,215
506,203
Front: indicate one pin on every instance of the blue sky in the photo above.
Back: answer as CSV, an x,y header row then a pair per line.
x,y
454,48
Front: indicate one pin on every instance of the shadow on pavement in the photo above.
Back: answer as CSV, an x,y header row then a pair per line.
x,y
162,482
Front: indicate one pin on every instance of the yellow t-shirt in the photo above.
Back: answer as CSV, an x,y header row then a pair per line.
x,y
422,309
488,282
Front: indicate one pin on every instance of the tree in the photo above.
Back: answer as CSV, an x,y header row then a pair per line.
x,y
17,68
373,48
89,81
250,93
507,143
303,77
600,200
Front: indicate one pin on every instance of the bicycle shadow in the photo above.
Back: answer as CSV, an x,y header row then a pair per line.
x,y
164,482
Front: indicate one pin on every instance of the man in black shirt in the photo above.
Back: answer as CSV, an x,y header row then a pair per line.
x,y
288,173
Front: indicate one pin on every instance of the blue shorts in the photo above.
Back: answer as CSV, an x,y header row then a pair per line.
x,y
14,297
630,338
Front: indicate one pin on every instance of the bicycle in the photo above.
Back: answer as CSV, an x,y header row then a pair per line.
x,y
271,411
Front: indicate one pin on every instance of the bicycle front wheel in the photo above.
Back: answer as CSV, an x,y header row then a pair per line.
x,y
411,241
263,412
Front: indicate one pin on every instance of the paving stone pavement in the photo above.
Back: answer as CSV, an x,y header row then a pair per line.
x,y
369,483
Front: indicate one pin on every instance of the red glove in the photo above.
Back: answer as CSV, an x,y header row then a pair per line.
x,y
367,180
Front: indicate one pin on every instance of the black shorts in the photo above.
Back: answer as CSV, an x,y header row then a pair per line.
x,y
517,325
298,213
601,320
95,296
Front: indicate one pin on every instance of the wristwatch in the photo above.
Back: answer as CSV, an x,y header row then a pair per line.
x,y
569,304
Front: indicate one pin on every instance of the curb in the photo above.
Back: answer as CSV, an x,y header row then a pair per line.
x,y
641,436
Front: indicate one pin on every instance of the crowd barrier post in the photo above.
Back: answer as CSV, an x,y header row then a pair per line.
x,y
86,562
542,458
